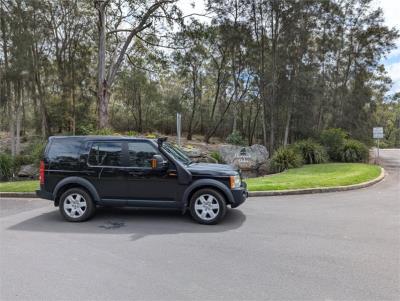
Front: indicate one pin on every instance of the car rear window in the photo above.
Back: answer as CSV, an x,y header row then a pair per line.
x,y
106,154
64,150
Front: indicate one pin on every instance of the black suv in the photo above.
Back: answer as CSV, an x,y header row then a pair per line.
x,y
81,172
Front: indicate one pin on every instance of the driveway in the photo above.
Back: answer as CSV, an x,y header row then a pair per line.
x,y
331,246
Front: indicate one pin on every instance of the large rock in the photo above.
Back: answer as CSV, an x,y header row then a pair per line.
x,y
192,152
250,159
28,171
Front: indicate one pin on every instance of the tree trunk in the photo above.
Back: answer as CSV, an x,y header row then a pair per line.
x,y
18,117
194,80
102,89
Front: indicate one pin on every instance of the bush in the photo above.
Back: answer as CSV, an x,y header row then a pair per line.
x,y
34,153
285,158
85,129
235,138
132,133
20,160
354,151
217,156
6,166
311,151
333,140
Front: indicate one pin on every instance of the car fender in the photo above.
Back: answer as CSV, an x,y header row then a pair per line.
x,y
207,183
80,181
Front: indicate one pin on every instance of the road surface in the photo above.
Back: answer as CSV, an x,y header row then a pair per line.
x,y
331,246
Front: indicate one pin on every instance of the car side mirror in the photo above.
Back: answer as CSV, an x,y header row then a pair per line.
x,y
158,162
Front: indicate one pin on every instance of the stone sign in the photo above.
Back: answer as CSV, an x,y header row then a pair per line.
x,y
251,159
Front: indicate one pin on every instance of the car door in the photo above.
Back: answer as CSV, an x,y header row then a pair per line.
x,y
106,162
148,186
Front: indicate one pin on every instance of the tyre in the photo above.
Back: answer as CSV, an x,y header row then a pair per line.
x,y
76,205
207,206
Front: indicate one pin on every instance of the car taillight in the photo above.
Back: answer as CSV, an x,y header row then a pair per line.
x,y
41,173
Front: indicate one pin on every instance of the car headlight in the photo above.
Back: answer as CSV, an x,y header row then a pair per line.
x,y
235,181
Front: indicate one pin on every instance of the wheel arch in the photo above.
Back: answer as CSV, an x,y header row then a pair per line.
x,y
74,182
210,184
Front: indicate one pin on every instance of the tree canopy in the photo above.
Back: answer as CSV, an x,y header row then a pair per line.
x,y
271,71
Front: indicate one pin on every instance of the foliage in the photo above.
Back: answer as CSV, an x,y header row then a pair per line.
x,y
387,115
132,133
20,160
285,158
316,175
354,151
86,129
151,136
235,138
311,151
217,156
229,75
333,140
6,166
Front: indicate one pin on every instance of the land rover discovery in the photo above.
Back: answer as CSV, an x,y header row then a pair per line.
x,y
79,173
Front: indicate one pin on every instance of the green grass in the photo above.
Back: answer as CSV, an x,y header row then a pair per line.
x,y
316,176
308,176
19,186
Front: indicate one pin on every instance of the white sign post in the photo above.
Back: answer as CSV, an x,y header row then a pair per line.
x,y
178,127
377,133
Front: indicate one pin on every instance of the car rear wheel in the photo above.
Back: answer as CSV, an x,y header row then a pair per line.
x,y
76,205
207,206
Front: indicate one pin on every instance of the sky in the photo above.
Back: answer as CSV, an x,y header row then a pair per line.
x,y
391,10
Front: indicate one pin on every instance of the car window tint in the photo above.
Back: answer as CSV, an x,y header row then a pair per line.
x,y
64,150
140,154
106,154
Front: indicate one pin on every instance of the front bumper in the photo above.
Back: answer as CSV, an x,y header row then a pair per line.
x,y
239,195
44,194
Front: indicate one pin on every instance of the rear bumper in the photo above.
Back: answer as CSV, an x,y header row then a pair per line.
x,y
44,195
239,195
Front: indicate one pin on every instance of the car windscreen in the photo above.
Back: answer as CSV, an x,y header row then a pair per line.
x,y
177,153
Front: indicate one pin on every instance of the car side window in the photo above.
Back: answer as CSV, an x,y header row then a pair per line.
x,y
140,154
106,154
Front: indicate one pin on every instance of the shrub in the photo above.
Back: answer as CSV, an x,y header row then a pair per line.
x,y
20,160
132,133
85,129
6,166
103,132
151,135
333,140
34,153
285,158
311,151
354,151
217,156
235,138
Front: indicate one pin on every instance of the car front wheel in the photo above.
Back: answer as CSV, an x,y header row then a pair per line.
x,y
76,205
207,206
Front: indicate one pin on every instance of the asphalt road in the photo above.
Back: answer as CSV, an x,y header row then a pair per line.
x,y
332,246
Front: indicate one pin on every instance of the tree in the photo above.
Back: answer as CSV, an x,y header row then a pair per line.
x,y
106,78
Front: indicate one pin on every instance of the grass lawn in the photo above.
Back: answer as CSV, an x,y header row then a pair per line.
x,y
308,176
19,186
317,175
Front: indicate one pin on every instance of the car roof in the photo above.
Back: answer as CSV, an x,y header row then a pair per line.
x,y
100,138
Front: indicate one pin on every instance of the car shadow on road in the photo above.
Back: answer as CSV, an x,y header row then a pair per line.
x,y
137,223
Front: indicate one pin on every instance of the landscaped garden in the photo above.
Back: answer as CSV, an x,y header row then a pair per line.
x,y
333,159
